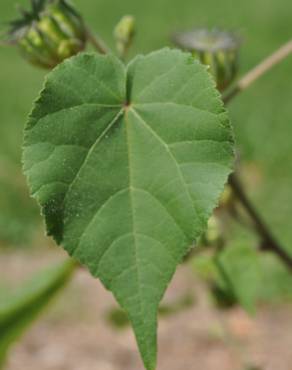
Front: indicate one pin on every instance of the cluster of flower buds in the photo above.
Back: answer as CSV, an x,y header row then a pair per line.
x,y
51,31
216,49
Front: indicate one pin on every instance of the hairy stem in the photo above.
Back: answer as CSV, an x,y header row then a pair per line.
x,y
97,42
283,52
268,240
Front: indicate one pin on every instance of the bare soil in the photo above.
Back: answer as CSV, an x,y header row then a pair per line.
x,y
74,334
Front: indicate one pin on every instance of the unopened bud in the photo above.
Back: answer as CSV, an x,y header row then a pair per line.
x,y
213,234
49,33
227,198
216,49
124,34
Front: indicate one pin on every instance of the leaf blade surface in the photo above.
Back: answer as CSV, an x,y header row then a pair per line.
x,y
128,169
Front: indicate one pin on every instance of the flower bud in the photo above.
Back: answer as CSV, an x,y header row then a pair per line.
x,y
124,34
213,235
216,49
49,33
227,198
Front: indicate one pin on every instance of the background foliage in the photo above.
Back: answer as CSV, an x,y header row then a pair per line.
x,y
20,308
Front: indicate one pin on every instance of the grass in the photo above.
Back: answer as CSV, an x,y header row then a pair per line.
x,y
261,115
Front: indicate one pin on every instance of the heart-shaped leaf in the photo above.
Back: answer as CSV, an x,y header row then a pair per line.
x,y
127,164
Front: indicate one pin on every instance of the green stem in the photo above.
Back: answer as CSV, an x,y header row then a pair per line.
x,y
97,42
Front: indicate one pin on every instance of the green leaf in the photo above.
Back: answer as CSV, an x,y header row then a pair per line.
x,y
240,269
119,319
221,291
246,277
18,310
276,280
127,164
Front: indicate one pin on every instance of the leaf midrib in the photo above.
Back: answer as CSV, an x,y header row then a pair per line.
x,y
142,312
172,157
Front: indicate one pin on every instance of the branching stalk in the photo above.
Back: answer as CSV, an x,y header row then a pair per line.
x,y
268,240
262,68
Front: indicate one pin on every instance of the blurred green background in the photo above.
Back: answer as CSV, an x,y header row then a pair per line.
x,y
262,116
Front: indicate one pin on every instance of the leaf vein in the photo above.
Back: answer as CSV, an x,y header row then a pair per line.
x,y
174,160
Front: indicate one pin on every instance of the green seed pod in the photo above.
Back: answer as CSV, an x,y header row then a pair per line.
x,y
216,49
49,33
